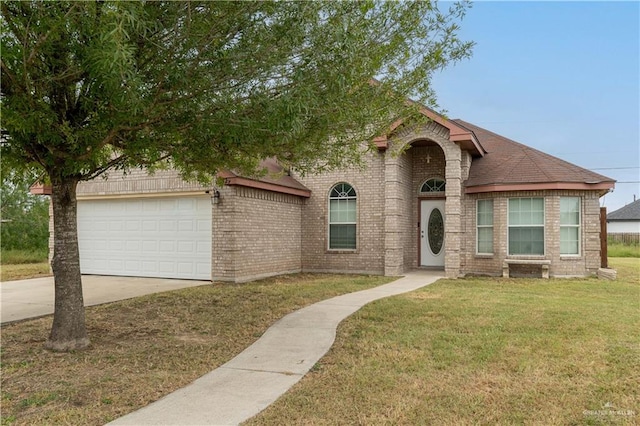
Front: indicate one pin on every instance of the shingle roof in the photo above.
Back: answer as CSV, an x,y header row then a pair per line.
x,y
511,163
628,212
276,179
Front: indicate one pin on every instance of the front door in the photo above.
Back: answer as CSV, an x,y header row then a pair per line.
x,y
432,233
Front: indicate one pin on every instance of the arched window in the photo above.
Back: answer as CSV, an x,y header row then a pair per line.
x,y
432,185
342,217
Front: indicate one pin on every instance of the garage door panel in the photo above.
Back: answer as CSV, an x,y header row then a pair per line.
x,y
116,225
116,245
186,267
150,266
150,246
202,246
202,225
165,267
133,206
98,225
185,225
150,206
116,265
132,246
167,247
186,247
149,225
113,208
132,265
167,205
150,237
101,264
202,268
92,245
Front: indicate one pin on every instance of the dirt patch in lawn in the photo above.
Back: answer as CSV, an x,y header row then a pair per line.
x,y
146,347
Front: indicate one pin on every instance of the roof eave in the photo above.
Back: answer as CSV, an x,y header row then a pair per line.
x,y
250,183
601,187
468,142
458,134
40,189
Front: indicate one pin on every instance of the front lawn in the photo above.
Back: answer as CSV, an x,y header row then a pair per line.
x,y
482,351
22,264
623,250
145,348
22,271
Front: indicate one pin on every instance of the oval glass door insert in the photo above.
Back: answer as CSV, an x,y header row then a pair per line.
x,y
435,231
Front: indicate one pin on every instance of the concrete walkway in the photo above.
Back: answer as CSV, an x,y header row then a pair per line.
x,y
244,386
35,297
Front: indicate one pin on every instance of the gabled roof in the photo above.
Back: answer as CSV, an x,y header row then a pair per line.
x,y
276,179
457,134
512,166
628,212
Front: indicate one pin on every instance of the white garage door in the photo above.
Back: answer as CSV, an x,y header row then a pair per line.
x,y
165,237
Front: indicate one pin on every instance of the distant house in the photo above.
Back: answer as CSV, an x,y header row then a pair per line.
x,y
447,195
625,220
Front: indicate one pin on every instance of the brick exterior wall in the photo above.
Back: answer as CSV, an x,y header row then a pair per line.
x,y
137,182
407,219
388,206
369,254
256,234
586,263
453,174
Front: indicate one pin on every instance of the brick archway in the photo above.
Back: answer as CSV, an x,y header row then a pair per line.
x,y
395,205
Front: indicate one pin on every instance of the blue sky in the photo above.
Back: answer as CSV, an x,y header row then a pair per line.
x,y
561,77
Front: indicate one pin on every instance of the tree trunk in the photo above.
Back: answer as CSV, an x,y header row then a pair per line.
x,y
68,331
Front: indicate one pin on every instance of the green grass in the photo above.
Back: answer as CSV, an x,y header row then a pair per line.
x,y
23,271
147,347
623,250
469,351
23,264
18,257
481,351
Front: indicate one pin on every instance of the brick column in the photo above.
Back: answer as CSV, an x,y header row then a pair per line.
x,y
224,236
591,232
453,208
393,249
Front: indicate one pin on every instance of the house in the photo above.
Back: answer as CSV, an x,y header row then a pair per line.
x,y
625,220
458,198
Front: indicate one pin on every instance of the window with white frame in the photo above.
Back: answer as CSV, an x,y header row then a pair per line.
x,y
484,227
526,226
342,217
569,225
433,185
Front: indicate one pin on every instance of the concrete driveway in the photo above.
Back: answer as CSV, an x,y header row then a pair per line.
x,y
33,298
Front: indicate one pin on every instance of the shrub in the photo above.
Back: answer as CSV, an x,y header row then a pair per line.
x,y
25,217
15,257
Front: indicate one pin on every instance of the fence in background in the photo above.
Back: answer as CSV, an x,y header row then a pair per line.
x,y
626,238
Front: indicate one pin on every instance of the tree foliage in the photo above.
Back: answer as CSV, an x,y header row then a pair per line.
x,y
202,86
25,217
93,85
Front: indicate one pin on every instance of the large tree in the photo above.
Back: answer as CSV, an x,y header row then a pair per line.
x,y
93,86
